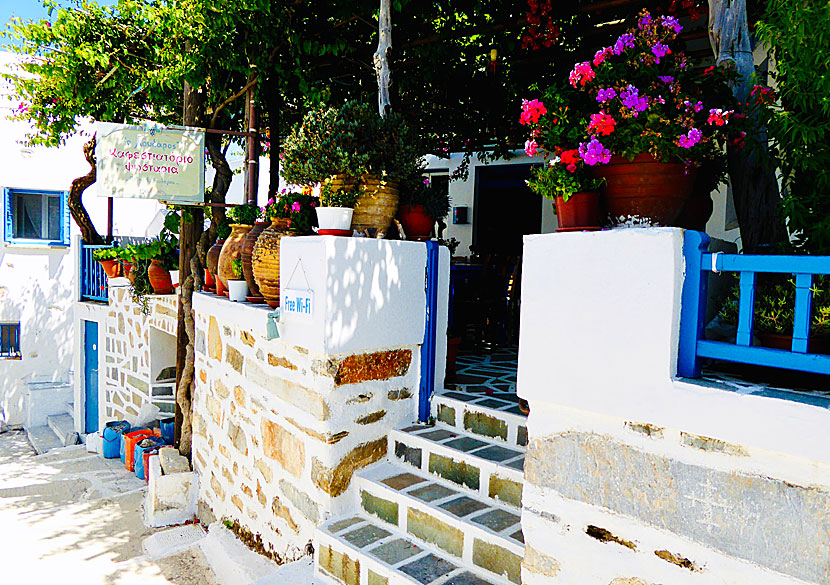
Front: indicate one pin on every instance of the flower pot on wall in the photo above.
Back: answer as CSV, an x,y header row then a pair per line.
x,y
237,290
377,206
112,268
212,261
416,222
265,260
247,250
334,218
231,250
579,212
159,278
644,191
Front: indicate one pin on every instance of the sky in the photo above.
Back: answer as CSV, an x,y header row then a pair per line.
x,y
29,10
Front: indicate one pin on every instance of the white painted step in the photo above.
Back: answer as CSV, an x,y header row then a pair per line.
x,y
484,467
43,439
70,409
64,428
475,413
359,551
433,512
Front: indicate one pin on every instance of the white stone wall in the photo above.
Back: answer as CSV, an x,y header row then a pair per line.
x,y
633,474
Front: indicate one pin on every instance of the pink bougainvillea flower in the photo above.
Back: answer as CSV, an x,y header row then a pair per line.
x,y
581,74
602,124
593,152
531,148
689,139
532,110
296,206
660,50
718,117
605,95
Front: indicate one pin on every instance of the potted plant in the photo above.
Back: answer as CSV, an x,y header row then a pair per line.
x,y
334,214
108,258
421,205
212,284
774,313
242,220
351,147
643,118
237,287
291,214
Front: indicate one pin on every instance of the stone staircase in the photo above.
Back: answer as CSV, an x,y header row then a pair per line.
x,y
444,508
50,419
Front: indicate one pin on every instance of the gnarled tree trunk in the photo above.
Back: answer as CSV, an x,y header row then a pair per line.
x,y
754,186
382,57
75,201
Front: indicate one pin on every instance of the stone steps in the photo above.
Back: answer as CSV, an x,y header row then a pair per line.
x,y
475,413
474,531
359,551
481,466
43,439
64,428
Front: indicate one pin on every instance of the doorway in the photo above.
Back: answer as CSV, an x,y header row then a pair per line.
x,y
90,376
505,209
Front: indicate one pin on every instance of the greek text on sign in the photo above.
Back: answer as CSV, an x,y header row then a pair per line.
x,y
150,161
297,303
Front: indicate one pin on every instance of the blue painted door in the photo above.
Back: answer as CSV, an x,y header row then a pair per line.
x,y
90,376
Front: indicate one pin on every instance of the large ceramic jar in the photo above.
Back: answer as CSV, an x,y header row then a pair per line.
x,y
377,206
644,191
265,260
231,250
247,250
212,259
159,278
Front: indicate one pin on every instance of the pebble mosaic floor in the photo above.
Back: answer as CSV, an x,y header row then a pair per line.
x,y
487,380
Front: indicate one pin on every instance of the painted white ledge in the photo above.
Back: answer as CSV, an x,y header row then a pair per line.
x,y
247,315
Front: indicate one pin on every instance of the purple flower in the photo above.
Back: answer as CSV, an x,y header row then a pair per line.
x,y
689,139
644,21
593,152
672,23
696,106
605,95
666,78
632,100
660,50
624,42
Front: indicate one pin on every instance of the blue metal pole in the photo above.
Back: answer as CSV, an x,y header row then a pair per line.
x,y
428,348
692,303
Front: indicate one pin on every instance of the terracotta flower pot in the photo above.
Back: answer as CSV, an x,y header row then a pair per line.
x,y
247,249
126,268
212,260
112,268
579,212
416,223
209,282
159,278
265,260
645,191
231,250
376,208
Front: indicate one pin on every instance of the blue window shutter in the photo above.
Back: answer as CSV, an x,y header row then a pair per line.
x,y
65,205
7,216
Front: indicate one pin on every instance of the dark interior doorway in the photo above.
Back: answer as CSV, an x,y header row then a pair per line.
x,y
505,209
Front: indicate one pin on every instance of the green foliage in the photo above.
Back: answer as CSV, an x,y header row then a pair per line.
x,y
244,214
297,208
341,197
352,140
140,285
223,229
434,199
775,307
236,268
798,35
112,253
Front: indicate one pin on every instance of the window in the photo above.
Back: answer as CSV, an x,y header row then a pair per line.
x,y
9,340
37,217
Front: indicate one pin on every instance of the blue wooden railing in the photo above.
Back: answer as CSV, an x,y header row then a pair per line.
x,y
93,277
693,344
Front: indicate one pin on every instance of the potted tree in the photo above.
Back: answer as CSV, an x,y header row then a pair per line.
x,y
643,118
421,205
108,258
334,214
237,287
352,147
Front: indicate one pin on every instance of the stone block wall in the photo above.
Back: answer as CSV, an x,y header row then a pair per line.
x,y
279,430
636,477
126,343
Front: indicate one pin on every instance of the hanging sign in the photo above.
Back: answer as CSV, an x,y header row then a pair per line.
x,y
150,161
297,303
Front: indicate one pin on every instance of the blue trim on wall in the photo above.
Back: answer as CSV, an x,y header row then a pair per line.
x,y
8,220
693,303
430,325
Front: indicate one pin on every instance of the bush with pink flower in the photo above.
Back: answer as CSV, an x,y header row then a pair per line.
x,y
639,95
297,208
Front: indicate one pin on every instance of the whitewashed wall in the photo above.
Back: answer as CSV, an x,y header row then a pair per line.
x,y
734,487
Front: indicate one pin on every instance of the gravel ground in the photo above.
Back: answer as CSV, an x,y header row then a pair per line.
x,y
70,517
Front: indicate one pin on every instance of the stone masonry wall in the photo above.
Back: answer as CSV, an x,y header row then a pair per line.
x,y
279,430
127,376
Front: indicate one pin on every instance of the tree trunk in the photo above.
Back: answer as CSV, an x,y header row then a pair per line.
x,y
754,186
382,57
190,279
273,101
76,205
